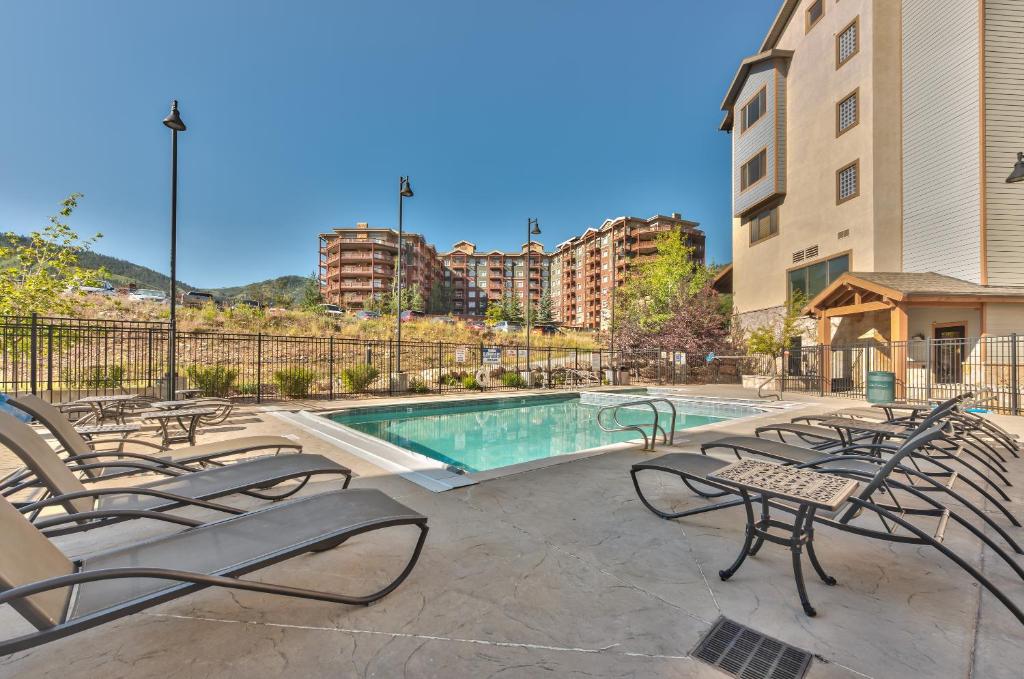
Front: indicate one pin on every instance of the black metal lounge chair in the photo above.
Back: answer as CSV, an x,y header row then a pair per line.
x,y
61,596
878,496
90,508
182,459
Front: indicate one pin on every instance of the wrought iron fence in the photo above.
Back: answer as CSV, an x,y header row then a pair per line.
x,y
64,359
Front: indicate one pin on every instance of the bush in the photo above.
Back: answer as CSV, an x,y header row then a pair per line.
x,y
418,386
247,388
358,378
513,380
295,382
214,380
453,379
96,377
469,382
498,373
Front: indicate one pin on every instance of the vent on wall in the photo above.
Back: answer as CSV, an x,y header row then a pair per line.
x,y
798,256
811,252
845,233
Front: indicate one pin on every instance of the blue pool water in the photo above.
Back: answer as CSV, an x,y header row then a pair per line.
x,y
482,435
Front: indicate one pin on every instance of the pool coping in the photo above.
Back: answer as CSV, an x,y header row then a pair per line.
x,y
438,476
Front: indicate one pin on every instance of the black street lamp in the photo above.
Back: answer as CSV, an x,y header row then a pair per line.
x,y
532,229
1018,171
404,191
174,122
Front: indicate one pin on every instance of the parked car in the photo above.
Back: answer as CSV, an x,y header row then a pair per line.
x,y
147,295
410,315
197,298
365,315
476,325
331,310
545,329
101,288
447,320
506,326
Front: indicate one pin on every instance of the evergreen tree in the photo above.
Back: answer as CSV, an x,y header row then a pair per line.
x,y
512,308
439,300
545,311
311,296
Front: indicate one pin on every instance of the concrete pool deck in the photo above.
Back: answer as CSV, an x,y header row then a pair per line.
x,y
557,571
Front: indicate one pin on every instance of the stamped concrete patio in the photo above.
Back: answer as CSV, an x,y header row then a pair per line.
x,y
557,572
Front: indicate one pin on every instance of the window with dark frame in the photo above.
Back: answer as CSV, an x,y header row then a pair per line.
x,y
848,43
848,182
847,112
753,170
754,109
812,279
763,225
814,13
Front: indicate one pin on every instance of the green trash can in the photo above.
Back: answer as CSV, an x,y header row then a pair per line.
x,y
881,386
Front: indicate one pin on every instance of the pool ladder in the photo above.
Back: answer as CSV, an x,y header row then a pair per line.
x,y
666,438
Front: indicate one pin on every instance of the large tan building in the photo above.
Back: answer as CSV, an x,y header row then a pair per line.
x,y
358,263
871,140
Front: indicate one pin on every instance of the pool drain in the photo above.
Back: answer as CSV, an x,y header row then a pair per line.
x,y
746,653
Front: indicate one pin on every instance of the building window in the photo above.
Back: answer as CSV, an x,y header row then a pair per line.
x,y
763,225
848,42
848,182
847,112
754,109
753,170
811,279
814,14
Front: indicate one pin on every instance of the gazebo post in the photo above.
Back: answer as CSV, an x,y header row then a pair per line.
x,y
898,337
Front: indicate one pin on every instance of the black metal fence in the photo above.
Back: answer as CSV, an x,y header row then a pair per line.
x,y
64,359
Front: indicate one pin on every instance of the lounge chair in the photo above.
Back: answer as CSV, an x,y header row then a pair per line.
x,y
186,459
91,508
61,596
878,497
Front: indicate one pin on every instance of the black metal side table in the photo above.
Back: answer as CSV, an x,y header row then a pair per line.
x,y
809,490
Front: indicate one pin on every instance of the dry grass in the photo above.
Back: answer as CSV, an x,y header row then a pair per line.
x,y
305,324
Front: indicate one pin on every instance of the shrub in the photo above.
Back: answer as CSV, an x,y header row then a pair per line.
x,y
247,388
96,377
418,386
469,382
358,378
295,382
453,379
214,380
513,380
498,373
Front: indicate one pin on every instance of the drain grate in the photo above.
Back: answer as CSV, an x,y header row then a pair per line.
x,y
748,654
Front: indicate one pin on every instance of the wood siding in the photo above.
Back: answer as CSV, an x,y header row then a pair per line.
x,y
761,135
1004,137
941,138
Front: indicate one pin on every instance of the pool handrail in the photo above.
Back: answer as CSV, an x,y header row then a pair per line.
x,y
667,439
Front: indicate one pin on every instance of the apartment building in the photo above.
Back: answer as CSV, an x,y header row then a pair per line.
x,y
477,279
871,140
587,268
357,263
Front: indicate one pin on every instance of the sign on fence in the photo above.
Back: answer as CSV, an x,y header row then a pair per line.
x,y
460,355
491,355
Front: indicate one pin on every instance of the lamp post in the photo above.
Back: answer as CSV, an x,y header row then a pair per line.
x,y
404,191
174,122
532,229
1018,171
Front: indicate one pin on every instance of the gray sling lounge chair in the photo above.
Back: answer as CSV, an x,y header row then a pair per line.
x,y
90,508
181,459
878,496
61,596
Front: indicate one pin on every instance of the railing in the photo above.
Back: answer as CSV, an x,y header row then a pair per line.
x,y
655,426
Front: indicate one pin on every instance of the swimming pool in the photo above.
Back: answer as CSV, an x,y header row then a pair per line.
x,y
480,435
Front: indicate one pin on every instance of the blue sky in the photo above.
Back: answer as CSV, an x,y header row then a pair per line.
x,y
303,114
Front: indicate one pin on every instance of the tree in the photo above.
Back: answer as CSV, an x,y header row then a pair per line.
x,y
41,269
775,337
511,308
495,313
545,311
413,299
439,300
312,298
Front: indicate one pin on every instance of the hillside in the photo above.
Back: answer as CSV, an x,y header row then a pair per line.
x,y
121,273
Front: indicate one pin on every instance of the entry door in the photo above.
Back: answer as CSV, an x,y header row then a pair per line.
x,y
949,354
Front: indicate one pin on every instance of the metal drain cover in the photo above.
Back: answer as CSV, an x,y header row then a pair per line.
x,y
746,653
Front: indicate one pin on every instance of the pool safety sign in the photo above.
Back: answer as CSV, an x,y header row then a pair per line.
x,y
460,354
492,355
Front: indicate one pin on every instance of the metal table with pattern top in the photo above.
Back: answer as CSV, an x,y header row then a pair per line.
x,y
848,428
90,430
107,407
188,393
187,419
809,490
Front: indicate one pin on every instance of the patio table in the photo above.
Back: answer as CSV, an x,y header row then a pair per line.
x,y
879,431
188,393
187,419
172,405
107,407
90,430
810,491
